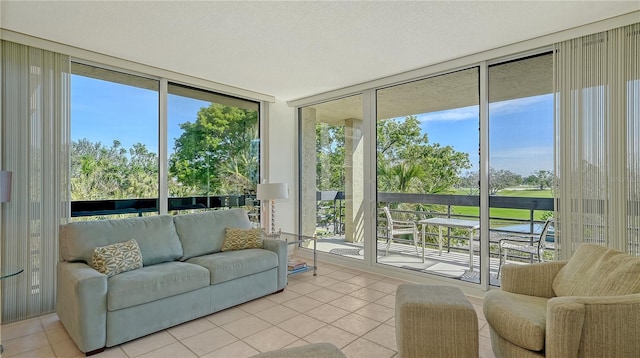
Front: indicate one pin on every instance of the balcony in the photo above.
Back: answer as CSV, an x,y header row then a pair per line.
x,y
453,262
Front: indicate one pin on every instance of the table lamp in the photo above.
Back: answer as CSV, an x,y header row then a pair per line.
x,y
272,192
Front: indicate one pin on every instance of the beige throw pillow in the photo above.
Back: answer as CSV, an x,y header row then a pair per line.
x,y
117,258
240,239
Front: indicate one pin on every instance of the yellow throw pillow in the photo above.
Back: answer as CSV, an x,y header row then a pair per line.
x,y
117,258
240,239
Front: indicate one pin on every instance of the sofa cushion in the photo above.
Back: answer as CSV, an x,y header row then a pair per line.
x,y
152,283
113,259
520,319
229,265
203,233
240,239
155,235
595,270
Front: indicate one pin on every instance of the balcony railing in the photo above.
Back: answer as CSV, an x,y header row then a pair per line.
x,y
331,213
84,208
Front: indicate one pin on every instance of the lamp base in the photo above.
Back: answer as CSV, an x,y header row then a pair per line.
x,y
273,216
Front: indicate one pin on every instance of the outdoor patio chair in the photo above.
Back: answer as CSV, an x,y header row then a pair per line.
x,y
395,228
533,244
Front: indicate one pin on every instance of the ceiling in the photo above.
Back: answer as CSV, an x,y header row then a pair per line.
x,y
292,50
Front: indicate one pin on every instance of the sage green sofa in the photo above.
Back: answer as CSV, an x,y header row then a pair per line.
x,y
588,306
185,275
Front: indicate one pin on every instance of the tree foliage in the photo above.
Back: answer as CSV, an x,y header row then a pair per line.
x,y
498,179
469,183
501,178
99,172
330,153
214,155
544,179
408,163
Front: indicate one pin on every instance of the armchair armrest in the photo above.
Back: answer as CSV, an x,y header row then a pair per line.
x,y
531,280
81,304
281,249
600,326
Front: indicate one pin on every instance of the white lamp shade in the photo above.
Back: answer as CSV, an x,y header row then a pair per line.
x,y
272,191
5,186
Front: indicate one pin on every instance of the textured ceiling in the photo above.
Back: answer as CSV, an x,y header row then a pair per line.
x,y
296,49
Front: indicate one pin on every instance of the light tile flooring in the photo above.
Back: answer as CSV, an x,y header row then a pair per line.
x,y
352,309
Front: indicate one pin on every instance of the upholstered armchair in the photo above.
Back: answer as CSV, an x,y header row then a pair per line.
x,y
588,306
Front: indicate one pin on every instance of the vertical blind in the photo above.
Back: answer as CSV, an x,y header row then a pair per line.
x,y
35,142
597,88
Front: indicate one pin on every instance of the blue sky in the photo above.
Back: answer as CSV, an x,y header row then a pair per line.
x,y
520,136
520,133
102,111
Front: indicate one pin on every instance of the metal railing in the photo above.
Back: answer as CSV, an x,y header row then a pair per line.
x,y
83,208
449,201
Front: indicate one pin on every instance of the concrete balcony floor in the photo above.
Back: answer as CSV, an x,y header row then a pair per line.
x,y
453,264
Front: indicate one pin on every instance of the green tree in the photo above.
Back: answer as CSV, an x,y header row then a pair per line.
x,y
498,179
407,162
501,178
99,172
213,154
469,183
543,179
330,156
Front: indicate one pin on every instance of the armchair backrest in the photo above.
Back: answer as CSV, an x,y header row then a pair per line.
x,y
595,270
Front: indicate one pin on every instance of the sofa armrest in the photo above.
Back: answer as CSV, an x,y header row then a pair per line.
x,y
281,249
600,326
81,304
531,280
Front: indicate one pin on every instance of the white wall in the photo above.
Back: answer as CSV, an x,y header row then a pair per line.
x,y
281,141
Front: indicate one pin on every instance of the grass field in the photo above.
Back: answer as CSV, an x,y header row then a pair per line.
x,y
527,193
509,213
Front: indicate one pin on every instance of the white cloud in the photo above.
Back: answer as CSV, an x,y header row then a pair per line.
x,y
516,105
472,112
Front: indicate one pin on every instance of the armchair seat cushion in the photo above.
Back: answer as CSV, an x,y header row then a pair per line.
x,y
154,282
229,265
520,319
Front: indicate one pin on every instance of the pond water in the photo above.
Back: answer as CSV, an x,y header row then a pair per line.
x,y
525,229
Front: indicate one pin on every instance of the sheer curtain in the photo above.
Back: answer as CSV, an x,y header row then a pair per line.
x,y
35,147
597,141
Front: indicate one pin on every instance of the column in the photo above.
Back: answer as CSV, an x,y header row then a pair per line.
x,y
354,180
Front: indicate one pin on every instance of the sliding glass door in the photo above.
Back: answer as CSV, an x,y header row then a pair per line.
x,y
521,159
427,142
332,181
427,160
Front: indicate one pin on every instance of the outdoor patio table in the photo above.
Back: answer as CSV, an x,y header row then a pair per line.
x,y
470,225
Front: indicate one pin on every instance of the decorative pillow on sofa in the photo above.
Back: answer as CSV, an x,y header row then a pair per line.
x,y
117,258
239,239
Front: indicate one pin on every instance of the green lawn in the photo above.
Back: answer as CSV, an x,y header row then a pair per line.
x,y
508,213
527,193
498,212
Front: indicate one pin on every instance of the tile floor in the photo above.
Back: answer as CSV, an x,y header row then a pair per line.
x,y
352,309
